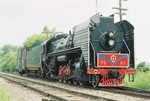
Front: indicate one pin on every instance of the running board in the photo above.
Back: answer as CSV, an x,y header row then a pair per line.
x,y
68,51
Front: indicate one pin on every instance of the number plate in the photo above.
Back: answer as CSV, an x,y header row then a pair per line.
x,y
112,60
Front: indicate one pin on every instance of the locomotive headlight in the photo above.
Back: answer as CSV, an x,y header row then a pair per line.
x,y
111,34
111,42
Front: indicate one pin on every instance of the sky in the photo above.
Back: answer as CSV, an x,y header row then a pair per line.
x,y
20,19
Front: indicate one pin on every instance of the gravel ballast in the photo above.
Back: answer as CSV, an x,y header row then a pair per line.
x,y
19,93
100,93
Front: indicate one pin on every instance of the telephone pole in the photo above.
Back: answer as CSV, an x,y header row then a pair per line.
x,y
120,13
96,6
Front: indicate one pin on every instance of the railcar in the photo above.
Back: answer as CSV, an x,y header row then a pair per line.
x,y
29,59
98,51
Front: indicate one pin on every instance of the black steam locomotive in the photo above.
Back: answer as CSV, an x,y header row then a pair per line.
x,y
98,51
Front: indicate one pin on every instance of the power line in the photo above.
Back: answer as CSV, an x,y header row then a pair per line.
x,y
120,13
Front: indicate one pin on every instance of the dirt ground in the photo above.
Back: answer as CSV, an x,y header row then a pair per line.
x,y
19,93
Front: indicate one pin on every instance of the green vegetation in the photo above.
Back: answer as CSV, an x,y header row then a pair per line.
x,y
142,77
8,53
37,39
8,58
4,96
143,67
142,80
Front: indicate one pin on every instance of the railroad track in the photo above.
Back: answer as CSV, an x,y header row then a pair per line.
x,y
51,91
91,93
133,92
128,91
124,90
136,92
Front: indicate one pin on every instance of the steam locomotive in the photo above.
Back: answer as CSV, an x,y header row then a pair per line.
x,y
98,51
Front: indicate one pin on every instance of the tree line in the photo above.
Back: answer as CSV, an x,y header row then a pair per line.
x,y
8,53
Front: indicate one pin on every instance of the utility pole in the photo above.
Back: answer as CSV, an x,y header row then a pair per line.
x,y
120,13
96,6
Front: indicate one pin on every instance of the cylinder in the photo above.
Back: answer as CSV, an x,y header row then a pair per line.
x,y
62,58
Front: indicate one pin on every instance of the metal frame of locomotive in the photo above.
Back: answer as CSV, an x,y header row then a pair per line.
x,y
98,51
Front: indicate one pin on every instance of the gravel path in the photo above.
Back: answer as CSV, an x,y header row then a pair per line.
x,y
19,93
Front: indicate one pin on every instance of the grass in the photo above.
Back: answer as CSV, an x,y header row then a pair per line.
x,y
4,96
142,80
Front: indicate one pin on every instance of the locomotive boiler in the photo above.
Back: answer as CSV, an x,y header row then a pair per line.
x,y
98,51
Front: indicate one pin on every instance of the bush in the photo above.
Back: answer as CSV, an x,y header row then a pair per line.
x,y
143,67
34,40
8,60
8,53
142,80
142,77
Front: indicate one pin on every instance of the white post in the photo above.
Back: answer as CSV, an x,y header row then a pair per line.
x,y
96,6
120,13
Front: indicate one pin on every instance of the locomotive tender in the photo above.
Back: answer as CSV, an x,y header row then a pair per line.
x,y
98,51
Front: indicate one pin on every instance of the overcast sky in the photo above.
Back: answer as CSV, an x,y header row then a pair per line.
x,y
20,19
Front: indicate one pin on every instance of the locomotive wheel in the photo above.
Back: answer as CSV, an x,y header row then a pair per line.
x,y
95,80
37,74
75,82
48,76
41,73
81,83
65,81
60,80
69,81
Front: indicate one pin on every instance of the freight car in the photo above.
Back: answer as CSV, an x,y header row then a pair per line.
x,y
29,59
98,51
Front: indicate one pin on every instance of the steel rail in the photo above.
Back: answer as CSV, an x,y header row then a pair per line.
x,y
84,95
